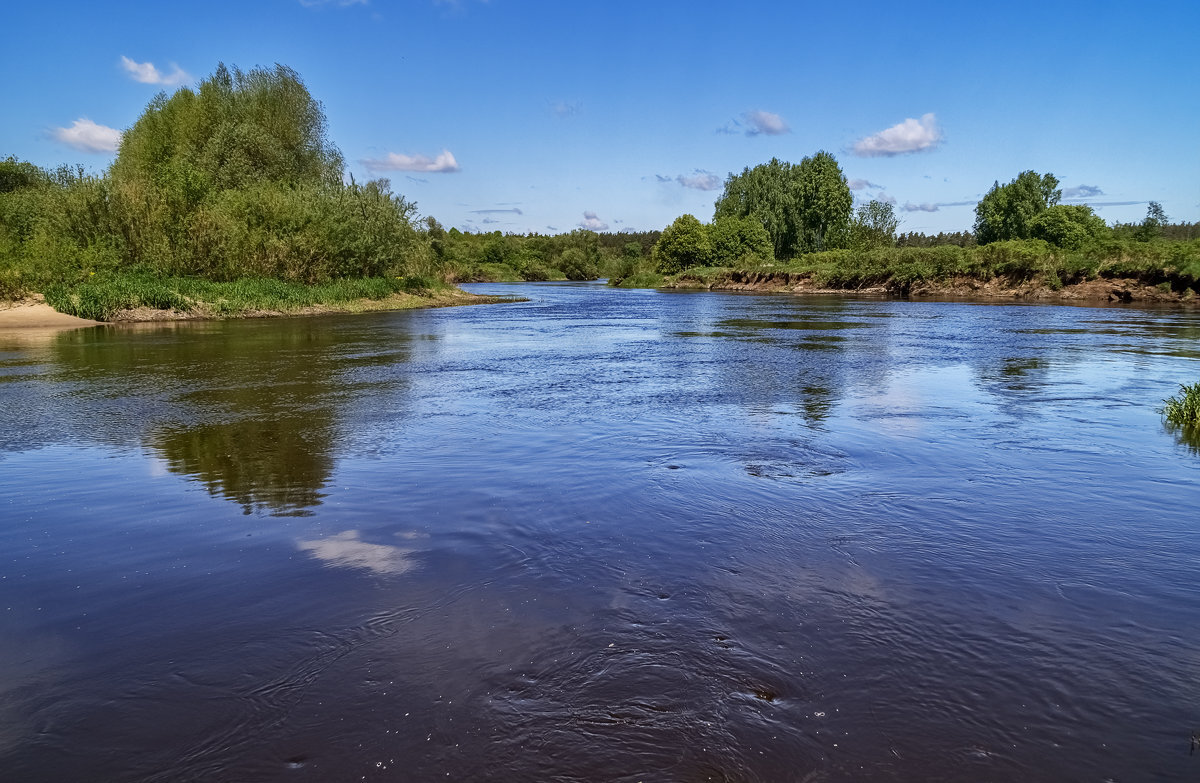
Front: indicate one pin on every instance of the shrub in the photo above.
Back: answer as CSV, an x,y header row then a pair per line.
x,y
683,244
1068,225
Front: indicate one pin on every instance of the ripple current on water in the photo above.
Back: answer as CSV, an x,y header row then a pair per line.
x,y
603,535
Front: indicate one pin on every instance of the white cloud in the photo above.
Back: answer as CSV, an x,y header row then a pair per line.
x,y
147,73
765,122
908,136
444,163
87,136
885,198
862,184
700,180
592,222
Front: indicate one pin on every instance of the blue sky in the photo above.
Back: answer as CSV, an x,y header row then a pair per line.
x,y
517,115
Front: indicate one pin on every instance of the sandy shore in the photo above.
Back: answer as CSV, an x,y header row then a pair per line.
x,y
33,313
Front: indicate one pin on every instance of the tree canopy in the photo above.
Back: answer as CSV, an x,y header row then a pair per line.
x,y
1068,225
874,225
238,128
684,243
803,206
1007,211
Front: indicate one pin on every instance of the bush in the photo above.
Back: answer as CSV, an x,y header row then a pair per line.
x,y
683,244
739,241
576,265
1069,226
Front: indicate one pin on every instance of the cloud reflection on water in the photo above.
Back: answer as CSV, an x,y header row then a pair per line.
x,y
348,550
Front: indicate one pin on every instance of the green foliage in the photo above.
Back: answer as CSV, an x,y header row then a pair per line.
x,y
18,174
1068,225
1152,225
683,244
874,225
101,298
739,241
576,265
1007,211
236,129
802,207
234,179
1183,410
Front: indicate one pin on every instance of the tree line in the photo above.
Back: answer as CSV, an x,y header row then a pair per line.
x,y
238,179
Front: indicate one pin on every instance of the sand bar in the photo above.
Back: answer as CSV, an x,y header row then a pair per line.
x,y
33,313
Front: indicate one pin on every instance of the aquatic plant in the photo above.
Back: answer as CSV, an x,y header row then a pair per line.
x,y
1183,410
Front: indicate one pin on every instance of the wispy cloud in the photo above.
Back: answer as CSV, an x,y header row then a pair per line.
x,y
756,123
862,184
444,163
1082,191
148,73
592,222
512,211
564,109
901,139
416,180
699,180
929,206
87,136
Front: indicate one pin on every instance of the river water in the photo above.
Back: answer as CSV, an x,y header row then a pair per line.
x,y
603,535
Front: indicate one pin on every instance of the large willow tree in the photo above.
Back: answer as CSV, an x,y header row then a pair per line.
x,y
237,178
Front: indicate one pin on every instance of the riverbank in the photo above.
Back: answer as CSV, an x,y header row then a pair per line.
x,y
1124,289
34,312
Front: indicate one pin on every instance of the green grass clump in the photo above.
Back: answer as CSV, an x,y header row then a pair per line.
x,y
100,299
1184,409
641,279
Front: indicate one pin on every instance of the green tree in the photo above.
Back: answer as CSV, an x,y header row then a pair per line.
x,y
236,129
576,265
825,202
803,206
1152,225
739,240
683,244
874,225
1070,226
1006,211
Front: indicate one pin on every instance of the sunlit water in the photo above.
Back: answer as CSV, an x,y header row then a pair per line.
x,y
603,535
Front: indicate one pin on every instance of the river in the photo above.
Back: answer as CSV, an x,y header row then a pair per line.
x,y
603,535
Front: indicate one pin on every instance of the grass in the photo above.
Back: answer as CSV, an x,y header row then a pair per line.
x,y
1183,410
101,299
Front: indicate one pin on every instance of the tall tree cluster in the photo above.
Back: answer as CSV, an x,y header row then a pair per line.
x,y
804,207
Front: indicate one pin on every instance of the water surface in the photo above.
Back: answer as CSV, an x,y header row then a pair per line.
x,y
603,535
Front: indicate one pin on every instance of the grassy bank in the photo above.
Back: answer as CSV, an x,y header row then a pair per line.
x,y
143,297
1172,268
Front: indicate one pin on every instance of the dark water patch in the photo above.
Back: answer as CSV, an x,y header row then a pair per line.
x,y
805,324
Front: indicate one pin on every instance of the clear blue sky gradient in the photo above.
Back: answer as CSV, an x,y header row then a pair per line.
x,y
558,109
